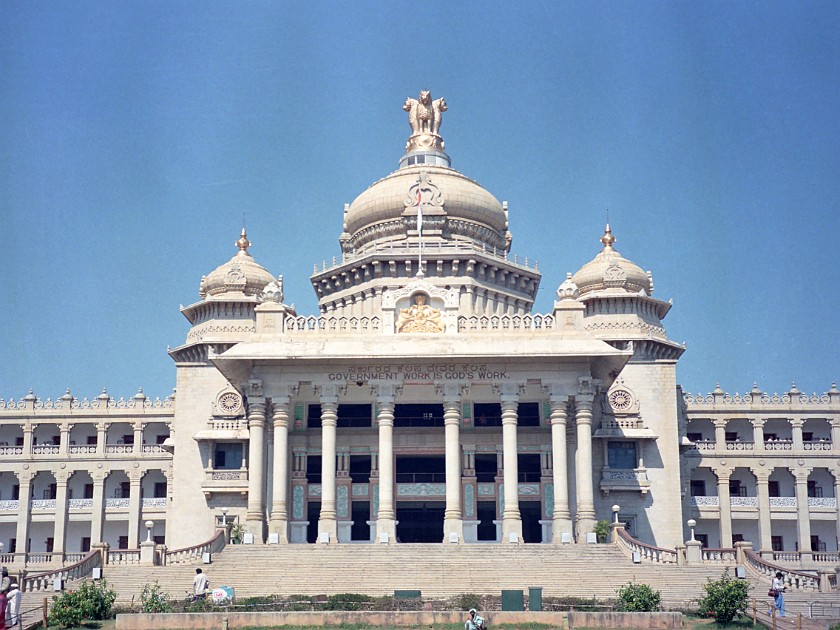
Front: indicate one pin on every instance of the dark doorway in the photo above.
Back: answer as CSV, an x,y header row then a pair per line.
x,y
360,530
531,528
421,469
486,516
486,467
313,511
420,521
420,415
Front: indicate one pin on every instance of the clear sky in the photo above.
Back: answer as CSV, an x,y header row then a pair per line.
x,y
136,136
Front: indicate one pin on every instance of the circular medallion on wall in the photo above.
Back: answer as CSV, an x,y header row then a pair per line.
x,y
620,399
230,402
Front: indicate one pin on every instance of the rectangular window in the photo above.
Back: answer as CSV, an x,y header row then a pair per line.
x,y
160,439
694,437
128,438
777,543
125,489
85,544
12,545
122,542
313,416
88,491
703,539
621,454
354,416
159,540
737,538
50,543
529,414
487,415
698,488
731,436
629,521
313,468
360,468
814,490
160,489
773,488
91,440
228,456
15,492
807,436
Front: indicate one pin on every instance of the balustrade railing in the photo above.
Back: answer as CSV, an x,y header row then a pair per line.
x,y
647,552
6,451
739,445
83,449
156,502
124,556
189,554
45,449
796,580
722,556
44,581
817,445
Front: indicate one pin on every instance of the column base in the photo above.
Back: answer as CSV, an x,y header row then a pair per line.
x,y
147,554
386,531
583,526
453,531
511,531
280,529
559,527
255,528
327,531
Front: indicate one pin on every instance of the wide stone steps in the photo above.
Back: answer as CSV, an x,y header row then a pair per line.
x,y
435,569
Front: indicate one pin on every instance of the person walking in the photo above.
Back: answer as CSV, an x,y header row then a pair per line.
x,y
200,584
13,597
475,621
779,588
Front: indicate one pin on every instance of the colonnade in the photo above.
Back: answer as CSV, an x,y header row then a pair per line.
x,y
564,521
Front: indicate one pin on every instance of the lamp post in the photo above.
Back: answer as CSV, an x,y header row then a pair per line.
x,y
224,511
149,525
615,510
692,523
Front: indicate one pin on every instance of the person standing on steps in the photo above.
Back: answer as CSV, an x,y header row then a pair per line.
x,y
13,618
200,584
779,587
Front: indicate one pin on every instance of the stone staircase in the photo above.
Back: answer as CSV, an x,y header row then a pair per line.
x,y
437,570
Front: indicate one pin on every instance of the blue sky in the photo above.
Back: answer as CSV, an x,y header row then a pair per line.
x,y
136,136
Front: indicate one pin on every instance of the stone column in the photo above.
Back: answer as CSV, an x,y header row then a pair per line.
x,y
836,475
279,523
101,437
511,519
835,435
453,517
138,437
97,510
725,506
562,518
796,429
64,440
762,476
803,513
135,477
720,434
28,428
60,526
585,516
24,508
386,524
329,418
758,434
255,516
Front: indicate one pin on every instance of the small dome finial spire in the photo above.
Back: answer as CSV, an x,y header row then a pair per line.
x,y
608,239
243,243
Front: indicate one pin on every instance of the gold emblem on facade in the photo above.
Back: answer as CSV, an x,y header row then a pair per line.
x,y
420,317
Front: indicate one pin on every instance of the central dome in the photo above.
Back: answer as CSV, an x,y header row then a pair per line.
x,y
454,208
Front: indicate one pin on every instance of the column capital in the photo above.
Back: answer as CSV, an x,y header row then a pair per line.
x,y
385,392
452,392
587,386
25,476
758,423
330,392
762,474
722,473
796,422
720,423
801,474
283,393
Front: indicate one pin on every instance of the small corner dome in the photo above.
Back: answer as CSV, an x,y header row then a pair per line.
x,y
240,275
609,270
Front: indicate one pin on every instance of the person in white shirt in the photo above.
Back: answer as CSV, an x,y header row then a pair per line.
x,y
475,622
13,606
200,584
779,587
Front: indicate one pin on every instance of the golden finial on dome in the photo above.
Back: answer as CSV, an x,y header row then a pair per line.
x,y
608,239
243,243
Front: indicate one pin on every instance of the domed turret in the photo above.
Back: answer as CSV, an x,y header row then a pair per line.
x,y
241,275
609,271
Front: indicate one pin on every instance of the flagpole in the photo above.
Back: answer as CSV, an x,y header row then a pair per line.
x,y
420,230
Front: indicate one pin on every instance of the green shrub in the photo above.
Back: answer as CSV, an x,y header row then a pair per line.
x,y
725,598
92,601
154,600
469,600
347,601
602,531
638,598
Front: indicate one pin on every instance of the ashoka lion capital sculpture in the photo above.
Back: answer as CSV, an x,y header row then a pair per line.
x,y
424,116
